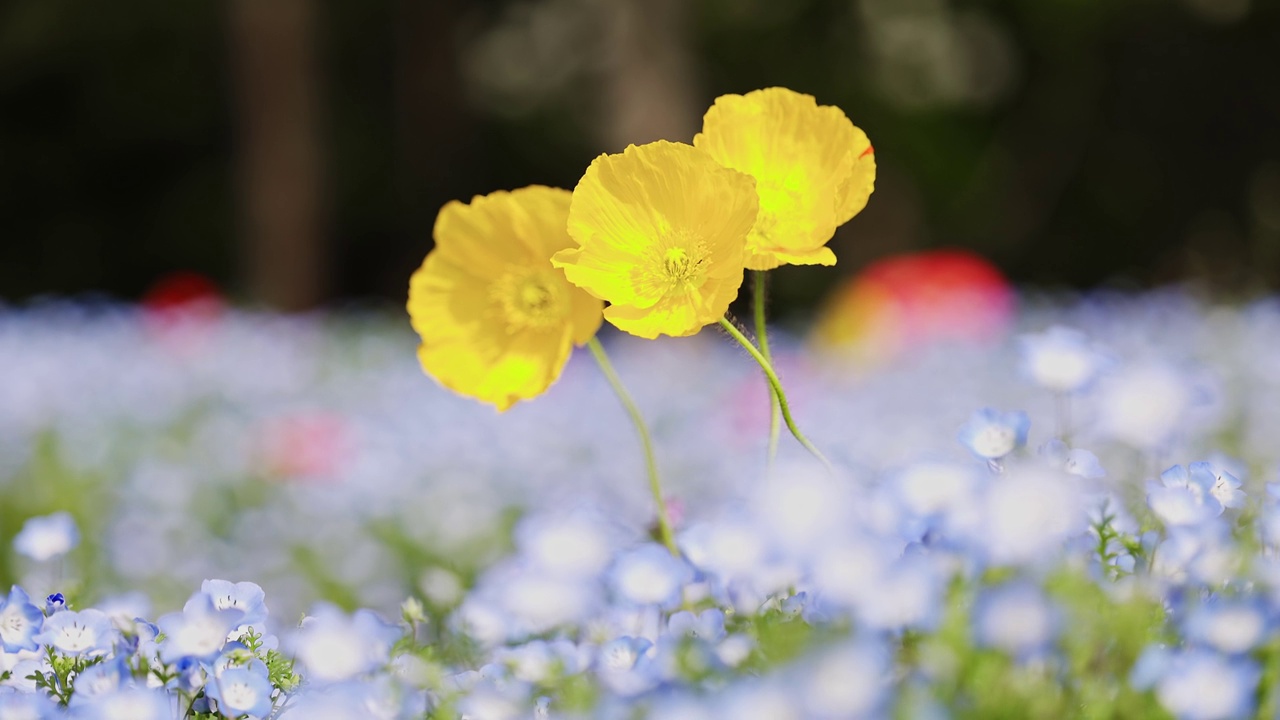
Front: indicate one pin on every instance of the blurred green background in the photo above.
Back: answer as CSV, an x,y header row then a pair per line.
x,y
296,151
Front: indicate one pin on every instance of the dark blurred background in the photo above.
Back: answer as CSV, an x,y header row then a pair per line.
x,y
296,151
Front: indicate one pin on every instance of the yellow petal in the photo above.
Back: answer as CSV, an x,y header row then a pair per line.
x,y
770,259
808,163
857,188
654,225
497,322
496,367
585,317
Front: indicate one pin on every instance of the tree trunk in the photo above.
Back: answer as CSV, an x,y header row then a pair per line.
x,y
273,60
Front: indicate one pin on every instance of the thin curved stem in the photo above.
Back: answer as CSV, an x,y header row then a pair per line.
x,y
651,464
777,389
762,336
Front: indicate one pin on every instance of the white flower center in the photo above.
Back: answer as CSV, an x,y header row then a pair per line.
x,y
239,696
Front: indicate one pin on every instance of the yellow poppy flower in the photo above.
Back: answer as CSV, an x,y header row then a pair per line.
x,y
661,231
814,170
497,321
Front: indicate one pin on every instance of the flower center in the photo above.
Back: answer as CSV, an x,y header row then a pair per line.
x,y
678,264
530,299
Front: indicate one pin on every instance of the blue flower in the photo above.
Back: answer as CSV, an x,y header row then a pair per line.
x,y
1185,496
24,705
19,621
132,702
1061,359
650,575
845,681
1223,486
707,625
47,537
247,597
1232,626
98,680
88,633
1016,618
381,698
333,646
991,434
199,631
1203,685
242,690
1076,461
626,665
55,603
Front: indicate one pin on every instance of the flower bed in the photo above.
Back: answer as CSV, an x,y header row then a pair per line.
x,y
1100,543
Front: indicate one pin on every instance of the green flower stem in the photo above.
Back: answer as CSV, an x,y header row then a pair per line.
x,y
655,485
777,389
762,336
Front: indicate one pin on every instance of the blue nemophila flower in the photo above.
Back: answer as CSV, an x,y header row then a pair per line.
x,y
19,621
621,653
1027,514
247,597
138,638
1224,486
188,675
381,698
47,537
104,678
729,547
199,631
1184,496
333,646
1232,626
498,701
482,621
991,434
649,575
1016,618
932,490
1076,461
56,602
562,657
845,572
27,706
241,691
707,625
847,681
341,702
128,703
1150,667
87,632
800,506
574,545
625,665
1061,359
1144,404
906,594
537,601
1201,553
770,697
20,675
1203,685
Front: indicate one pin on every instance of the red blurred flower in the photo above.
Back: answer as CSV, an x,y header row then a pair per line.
x,y
911,301
180,309
305,447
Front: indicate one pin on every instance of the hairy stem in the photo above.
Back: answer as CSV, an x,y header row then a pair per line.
x,y
758,296
774,383
655,485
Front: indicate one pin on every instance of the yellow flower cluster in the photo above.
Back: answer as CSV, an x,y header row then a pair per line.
x,y
662,232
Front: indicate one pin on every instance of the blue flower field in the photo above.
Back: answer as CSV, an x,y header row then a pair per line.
x,y
267,516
